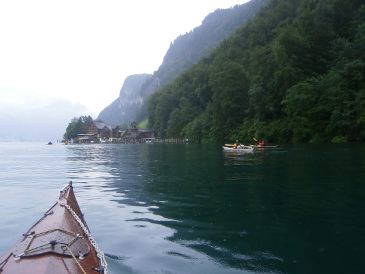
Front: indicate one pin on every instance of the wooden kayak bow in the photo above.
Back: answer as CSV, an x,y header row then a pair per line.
x,y
60,242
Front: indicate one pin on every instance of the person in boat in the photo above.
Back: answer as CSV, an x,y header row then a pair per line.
x,y
238,145
262,143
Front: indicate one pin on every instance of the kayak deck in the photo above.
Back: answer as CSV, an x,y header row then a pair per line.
x,y
264,146
59,242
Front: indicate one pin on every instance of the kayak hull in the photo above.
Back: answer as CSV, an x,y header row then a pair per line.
x,y
245,149
52,245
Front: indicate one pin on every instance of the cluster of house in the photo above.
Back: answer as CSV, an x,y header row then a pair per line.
x,y
104,133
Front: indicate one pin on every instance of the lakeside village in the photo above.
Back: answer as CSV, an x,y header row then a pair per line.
x,y
98,132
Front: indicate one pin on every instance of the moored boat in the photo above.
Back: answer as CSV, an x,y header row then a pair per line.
x,y
60,242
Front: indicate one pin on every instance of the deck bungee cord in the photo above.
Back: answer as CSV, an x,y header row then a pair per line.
x,y
60,242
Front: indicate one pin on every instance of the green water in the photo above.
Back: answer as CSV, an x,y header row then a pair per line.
x,y
163,208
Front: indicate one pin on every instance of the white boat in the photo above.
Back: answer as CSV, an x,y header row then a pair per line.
x,y
244,149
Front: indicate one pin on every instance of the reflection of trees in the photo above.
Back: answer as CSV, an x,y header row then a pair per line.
x,y
213,206
218,206
247,215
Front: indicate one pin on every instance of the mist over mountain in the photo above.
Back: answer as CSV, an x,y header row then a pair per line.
x,y
185,51
39,120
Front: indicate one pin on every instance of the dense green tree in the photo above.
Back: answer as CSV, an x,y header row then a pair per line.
x,y
87,120
230,88
200,129
161,106
77,126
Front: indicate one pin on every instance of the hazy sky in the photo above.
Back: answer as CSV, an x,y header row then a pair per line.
x,y
83,50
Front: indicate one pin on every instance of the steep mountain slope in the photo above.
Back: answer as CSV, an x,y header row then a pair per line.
x,y
122,110
183,53
189,48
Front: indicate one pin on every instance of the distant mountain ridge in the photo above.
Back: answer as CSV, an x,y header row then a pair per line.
x,y
184,52
41,123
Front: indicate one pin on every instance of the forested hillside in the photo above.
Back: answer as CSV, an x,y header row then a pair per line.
x,y
295,72
183,52
188,49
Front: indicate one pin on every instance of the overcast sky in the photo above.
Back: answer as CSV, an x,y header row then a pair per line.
x,y
83,50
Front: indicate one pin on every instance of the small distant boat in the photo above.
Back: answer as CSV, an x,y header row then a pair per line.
x,y
60,242
49,143
244,149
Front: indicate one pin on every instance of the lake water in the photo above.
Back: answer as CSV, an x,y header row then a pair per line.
x,y
191,208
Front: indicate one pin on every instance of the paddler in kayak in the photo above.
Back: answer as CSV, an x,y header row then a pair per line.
x,y
238,145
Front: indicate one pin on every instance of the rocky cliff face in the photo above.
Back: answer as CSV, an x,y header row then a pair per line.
x,y
123,109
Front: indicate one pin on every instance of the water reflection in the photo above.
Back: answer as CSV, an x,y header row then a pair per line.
x,y
193,209
172,206
237,158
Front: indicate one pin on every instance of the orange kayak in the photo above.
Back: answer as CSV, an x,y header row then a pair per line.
x,y
258,146
60,242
